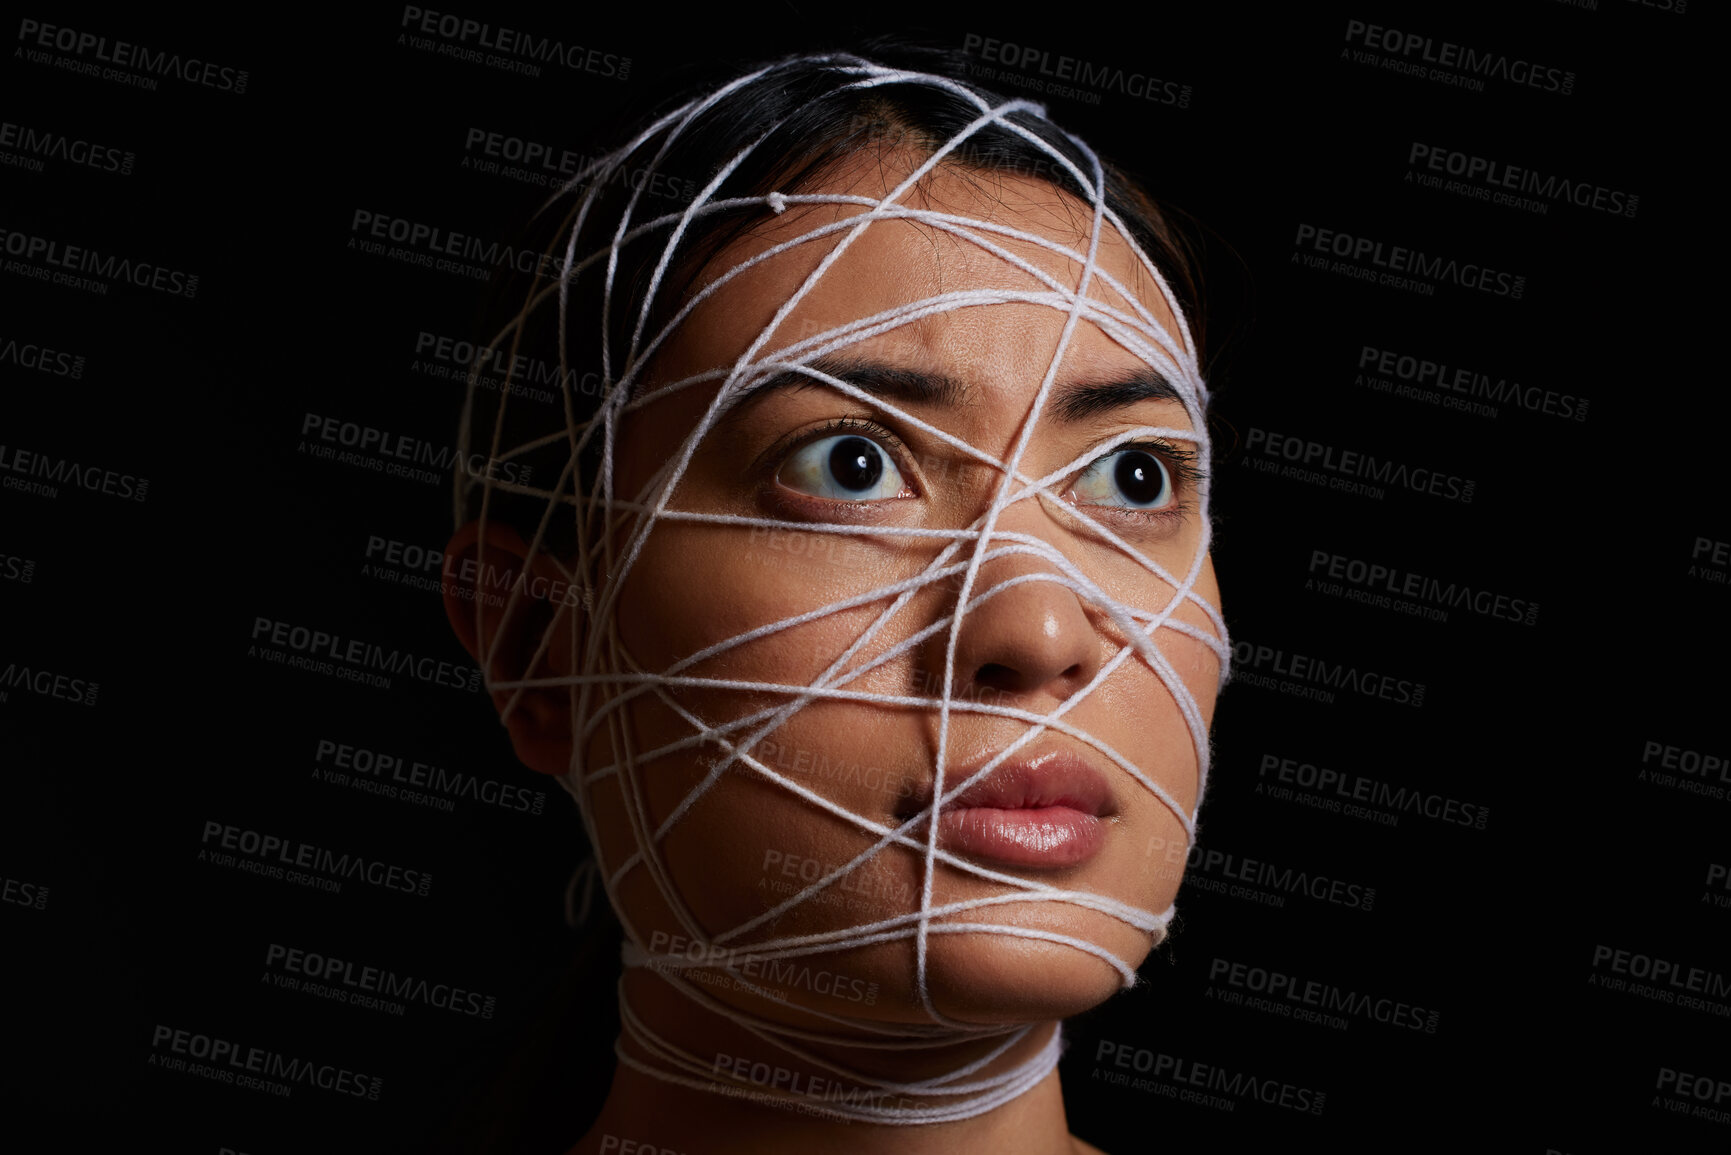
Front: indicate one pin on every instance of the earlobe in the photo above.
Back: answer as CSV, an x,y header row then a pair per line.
x,y
520,618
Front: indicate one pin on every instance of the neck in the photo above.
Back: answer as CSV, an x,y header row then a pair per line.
x,y
694,1077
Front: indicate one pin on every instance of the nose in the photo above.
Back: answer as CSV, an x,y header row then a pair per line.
x,y
1029,636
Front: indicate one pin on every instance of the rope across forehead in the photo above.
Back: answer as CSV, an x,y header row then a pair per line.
x,y
612,529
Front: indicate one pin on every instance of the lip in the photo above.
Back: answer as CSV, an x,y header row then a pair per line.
x,y
1048,811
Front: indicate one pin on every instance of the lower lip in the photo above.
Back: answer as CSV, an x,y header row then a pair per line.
x,y
1051,836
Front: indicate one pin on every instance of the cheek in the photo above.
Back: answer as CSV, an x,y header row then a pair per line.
x,y
695,589
1139,717
1137,706
748,843
698,587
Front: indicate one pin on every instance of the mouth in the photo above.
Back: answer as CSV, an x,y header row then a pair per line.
x,y
1046,812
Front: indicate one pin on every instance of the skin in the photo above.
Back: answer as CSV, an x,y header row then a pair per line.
x,y
746,845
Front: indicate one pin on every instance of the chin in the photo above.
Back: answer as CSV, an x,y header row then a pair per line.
x,y
994,978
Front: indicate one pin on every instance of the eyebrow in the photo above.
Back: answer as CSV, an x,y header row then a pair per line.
x,y
1078,401
1071,403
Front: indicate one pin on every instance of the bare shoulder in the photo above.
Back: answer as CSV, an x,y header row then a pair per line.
x,y
1083,1147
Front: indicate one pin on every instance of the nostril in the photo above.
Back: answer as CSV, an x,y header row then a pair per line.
x,y
1010,680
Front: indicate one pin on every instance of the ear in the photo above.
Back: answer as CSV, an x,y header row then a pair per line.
x,y
503,603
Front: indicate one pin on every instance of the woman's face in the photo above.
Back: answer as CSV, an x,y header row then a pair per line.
x,y
1058,812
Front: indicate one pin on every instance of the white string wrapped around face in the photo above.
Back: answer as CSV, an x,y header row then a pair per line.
x,y
612,532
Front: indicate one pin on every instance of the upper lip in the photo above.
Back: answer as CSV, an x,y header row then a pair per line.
x,y
1052,780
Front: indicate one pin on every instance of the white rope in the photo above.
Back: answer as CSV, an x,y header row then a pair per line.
x,y
611,534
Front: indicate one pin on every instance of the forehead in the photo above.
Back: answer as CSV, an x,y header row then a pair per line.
x,y
978,230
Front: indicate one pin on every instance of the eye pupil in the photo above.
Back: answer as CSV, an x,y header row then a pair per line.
x,y
1140,477
856,463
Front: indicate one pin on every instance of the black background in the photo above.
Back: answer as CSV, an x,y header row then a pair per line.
x,y
1544,726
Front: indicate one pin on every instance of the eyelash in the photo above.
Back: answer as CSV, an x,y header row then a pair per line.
x,y
1179,461
778,455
